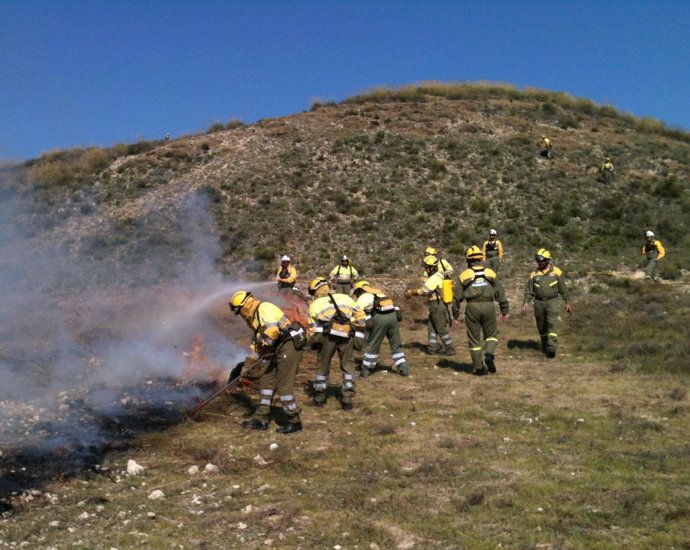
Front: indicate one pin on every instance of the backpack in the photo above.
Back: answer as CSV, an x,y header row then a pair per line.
x,y
339,324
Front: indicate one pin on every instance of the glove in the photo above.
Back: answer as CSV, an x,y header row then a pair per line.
x,y
409,293
236,372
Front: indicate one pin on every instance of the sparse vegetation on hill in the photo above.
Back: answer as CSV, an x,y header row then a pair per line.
x,y
586,451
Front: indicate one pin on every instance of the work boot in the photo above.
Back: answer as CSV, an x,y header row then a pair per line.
x,y
489,362
550,353
255,424
290,428
431,350
363,373
318,401
480,372
449,350
402,370
347,405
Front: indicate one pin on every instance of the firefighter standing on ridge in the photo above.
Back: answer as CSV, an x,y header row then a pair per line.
x,y
439,321
281,344
544,286
654,251
287,274
343,276
479,287
382,321
493,251
334,321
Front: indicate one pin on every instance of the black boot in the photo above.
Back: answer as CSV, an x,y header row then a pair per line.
x,y
290,428
347,405
480,371
489,362
550,353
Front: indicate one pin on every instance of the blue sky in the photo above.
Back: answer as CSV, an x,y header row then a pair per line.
x,y
90,72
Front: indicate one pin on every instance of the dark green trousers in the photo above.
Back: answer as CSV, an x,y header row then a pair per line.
x,y
383,325
546,314
280,376
330,346
481,317
438,326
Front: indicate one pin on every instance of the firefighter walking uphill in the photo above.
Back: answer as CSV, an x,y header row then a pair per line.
x,y
654,251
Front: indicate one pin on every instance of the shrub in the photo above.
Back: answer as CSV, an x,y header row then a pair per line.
x,y
215,127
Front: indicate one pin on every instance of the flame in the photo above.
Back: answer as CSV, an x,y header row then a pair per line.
x,y
198,365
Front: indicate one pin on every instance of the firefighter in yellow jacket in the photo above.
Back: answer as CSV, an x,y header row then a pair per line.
x,y
439,321
343,276
382,321
654,251
493,251
281,345
544,286
287,274
334,321
444,266
480,287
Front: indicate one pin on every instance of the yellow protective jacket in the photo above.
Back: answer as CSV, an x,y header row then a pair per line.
x,y
287,275
607,167
344,274
445,268
491,249
480,284
372,297
267,321
432,287
322,310
546,285
655,248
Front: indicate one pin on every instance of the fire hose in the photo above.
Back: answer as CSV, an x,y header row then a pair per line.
x,y
236,375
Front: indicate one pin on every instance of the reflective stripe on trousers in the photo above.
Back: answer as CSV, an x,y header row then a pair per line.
x,y
266,397
320,382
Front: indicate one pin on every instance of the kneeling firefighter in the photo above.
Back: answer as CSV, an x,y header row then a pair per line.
x,y
280,343
335,320
382,321
480,287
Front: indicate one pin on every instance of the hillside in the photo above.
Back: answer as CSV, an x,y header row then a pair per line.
x,y
118,264
379,177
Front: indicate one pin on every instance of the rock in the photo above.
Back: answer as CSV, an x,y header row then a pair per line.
x,y
248,509
157,495
151,515
84,515
211,468
260,460
193,470
273,446
134,469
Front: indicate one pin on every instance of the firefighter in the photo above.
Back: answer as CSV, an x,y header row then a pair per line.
x,y
343,276
544,286
480,287
382,321
493,251
281,344
654,251
287,274
334,321
438,312
546,147
607,170
444,265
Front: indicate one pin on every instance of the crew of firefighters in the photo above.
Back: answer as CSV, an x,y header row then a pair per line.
x,y
348,314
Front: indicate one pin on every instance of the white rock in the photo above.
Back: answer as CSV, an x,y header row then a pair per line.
x,y
54,523
84,515
133,468
260,460
211,468
242,526
193,470
157,495
273,446
151,515
248,509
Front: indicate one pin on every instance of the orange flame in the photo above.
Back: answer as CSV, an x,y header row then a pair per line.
x,y
198,365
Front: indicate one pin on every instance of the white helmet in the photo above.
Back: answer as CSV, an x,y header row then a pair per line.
x,y
492,231
344,259
285,258
649,234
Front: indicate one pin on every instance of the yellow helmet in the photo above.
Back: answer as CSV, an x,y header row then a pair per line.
x,y
430,251
316,284
430,261
238,300
474,253
542,255
359,285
